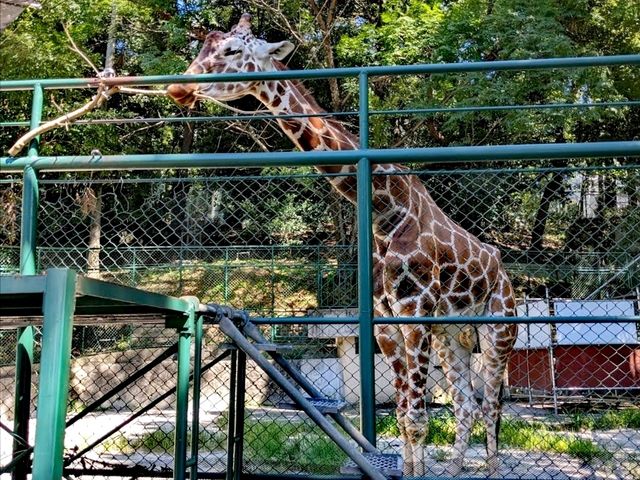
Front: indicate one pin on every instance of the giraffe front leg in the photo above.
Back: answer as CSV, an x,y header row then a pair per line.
x,y
417,344
407,446
416,430
392,346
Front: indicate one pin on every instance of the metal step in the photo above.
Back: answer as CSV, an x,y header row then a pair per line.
x,y
263,347
389,464
272,347
324,405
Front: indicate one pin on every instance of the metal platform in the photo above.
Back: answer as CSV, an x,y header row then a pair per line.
x,y
389,464
55,300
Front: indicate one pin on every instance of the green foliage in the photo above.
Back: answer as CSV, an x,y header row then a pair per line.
x,y
302,446
408,31
478,30
609,420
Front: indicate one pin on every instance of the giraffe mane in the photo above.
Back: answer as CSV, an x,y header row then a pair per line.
x,y
308,96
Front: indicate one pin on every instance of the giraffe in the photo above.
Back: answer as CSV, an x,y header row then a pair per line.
x,y
424,263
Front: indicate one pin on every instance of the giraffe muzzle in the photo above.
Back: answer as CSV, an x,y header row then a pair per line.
x,y
183,93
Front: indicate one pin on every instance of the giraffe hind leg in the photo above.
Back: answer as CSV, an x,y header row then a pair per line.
x,y
496,342
455,359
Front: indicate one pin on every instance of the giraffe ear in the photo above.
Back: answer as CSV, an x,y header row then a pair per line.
x,y
279,50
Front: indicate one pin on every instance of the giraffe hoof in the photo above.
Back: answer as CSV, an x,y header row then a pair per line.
x,y
407,468
493,466
454,468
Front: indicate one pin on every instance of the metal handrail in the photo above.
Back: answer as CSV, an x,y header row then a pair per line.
x,y
371,71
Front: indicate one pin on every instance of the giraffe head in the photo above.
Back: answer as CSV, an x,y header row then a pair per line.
x,y
236,51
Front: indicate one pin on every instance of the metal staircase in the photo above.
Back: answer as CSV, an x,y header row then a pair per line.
x,y
249,342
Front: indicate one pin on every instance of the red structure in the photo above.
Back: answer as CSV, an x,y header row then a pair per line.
x,y
594,356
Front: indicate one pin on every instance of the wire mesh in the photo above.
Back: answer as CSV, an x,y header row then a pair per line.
x,y
283,245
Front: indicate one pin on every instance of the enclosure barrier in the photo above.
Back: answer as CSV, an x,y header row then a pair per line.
x,y
32,164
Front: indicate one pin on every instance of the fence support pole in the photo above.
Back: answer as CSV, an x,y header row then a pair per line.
x,y
240,395
24,347
231,427
365,272
58,307
195,419
22,402
182,395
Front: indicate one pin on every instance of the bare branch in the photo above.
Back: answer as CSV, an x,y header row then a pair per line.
x,y
141,129
239,127
494,125
75,48
141,91
102,95
228,107
282,19
96,101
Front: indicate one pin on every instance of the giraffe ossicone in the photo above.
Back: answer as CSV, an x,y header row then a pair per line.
x,y
424,263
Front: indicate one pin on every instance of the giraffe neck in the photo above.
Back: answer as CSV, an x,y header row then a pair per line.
x,y
311,133
308,133
391,195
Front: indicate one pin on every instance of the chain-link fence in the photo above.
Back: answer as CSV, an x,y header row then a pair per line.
x,y
284,245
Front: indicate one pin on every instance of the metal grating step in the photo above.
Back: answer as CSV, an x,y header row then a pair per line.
x,y
263,347
389,464
272,347
325,405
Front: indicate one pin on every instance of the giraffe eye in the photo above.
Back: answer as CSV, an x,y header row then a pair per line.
x,y
231,52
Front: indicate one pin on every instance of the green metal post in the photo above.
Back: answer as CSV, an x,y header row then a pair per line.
x,y
182,396
231,427
134,277
365,272
22,402
195,422
274,328
226,276
24,347
58,307
29,223
238,446
318,278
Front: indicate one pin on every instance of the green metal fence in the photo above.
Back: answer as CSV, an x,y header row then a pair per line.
x,y
234,230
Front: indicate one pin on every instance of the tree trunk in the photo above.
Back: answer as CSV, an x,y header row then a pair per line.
x,y
550,191
95,230
187,234
325,22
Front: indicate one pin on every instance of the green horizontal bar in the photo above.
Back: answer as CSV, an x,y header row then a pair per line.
x,y
213,178
21,284
528,320
491,108
411,111
441,320
91,287
240,178
342,157
15,124
570,62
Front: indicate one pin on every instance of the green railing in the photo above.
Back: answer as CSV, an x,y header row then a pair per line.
x,y
31,164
